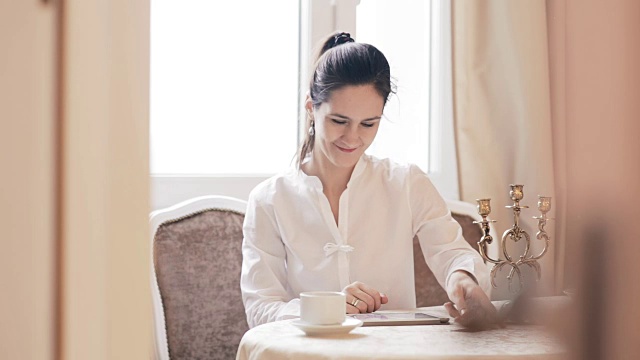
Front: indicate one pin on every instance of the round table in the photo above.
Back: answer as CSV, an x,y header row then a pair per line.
x,y
282,340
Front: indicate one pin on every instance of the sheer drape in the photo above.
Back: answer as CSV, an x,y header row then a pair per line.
x,y
502,115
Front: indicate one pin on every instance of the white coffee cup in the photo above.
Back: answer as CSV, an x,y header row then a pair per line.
x,y
322,307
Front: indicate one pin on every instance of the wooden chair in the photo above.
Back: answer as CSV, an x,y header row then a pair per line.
x,y
197,259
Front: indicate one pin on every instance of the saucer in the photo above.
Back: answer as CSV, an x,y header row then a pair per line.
x,y
310,329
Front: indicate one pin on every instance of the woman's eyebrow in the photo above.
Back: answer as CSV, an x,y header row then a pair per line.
x,y
348,118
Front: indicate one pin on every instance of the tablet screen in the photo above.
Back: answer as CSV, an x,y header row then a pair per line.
x,y
399,318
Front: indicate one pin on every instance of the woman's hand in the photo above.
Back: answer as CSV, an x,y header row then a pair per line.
x,y
363,299
471,307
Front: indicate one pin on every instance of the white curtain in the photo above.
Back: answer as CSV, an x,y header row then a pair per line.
x,y
502,116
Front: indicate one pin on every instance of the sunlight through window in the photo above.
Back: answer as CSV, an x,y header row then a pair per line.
x,y
224,86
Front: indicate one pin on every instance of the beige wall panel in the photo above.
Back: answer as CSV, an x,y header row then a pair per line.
x,y
596,96
106,309
603,159
556,20
27,40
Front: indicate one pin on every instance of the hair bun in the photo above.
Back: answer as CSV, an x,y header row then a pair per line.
x,y
342,38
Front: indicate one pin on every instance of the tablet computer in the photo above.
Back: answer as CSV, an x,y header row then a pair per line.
x,y
399,319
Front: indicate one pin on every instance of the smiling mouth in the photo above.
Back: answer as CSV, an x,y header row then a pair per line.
x,y
345,149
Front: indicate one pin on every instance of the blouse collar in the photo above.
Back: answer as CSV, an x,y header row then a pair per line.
x,y
313,181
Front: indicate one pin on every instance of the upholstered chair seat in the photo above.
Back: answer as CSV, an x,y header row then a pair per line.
x,y
197,260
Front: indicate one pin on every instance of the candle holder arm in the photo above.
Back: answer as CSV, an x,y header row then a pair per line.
x,y
486,239
542,235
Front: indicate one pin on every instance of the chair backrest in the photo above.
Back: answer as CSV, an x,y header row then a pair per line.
x,y
428,290
197,260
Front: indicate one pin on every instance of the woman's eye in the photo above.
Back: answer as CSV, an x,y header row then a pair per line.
x,y
367,124
340,122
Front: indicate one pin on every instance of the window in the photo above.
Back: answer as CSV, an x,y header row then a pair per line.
x,y
226,80
224,83
400,29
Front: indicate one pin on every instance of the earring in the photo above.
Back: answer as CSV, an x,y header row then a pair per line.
x,y
312,130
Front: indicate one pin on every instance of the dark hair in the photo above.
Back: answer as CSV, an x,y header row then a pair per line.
x,y
342,62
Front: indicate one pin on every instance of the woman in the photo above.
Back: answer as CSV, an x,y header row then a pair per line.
x,y
342,220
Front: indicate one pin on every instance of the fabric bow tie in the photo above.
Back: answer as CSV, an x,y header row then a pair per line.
x,y
330,248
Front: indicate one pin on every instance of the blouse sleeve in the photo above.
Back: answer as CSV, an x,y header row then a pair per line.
x,y
263,280
440,236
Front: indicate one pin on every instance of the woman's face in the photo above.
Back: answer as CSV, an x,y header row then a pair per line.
x,y
346,125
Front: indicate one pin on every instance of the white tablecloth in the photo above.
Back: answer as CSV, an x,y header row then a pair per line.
x,y
282,340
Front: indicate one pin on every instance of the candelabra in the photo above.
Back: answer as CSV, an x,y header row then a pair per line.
x,y
516,234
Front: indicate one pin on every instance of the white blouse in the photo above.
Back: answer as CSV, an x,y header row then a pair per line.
x,y
293,244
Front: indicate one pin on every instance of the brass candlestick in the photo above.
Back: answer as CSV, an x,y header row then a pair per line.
x,y
516,234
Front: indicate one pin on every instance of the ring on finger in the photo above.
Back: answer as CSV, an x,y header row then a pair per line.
x,y
355,302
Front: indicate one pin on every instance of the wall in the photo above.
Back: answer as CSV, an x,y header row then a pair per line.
x,y
75,257
27,113
595,61
105,250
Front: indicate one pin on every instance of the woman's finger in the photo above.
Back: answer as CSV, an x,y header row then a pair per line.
x,y
369,298
355,303
372,297
453,312
352,309
365,303
359,302
383,299
480,315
